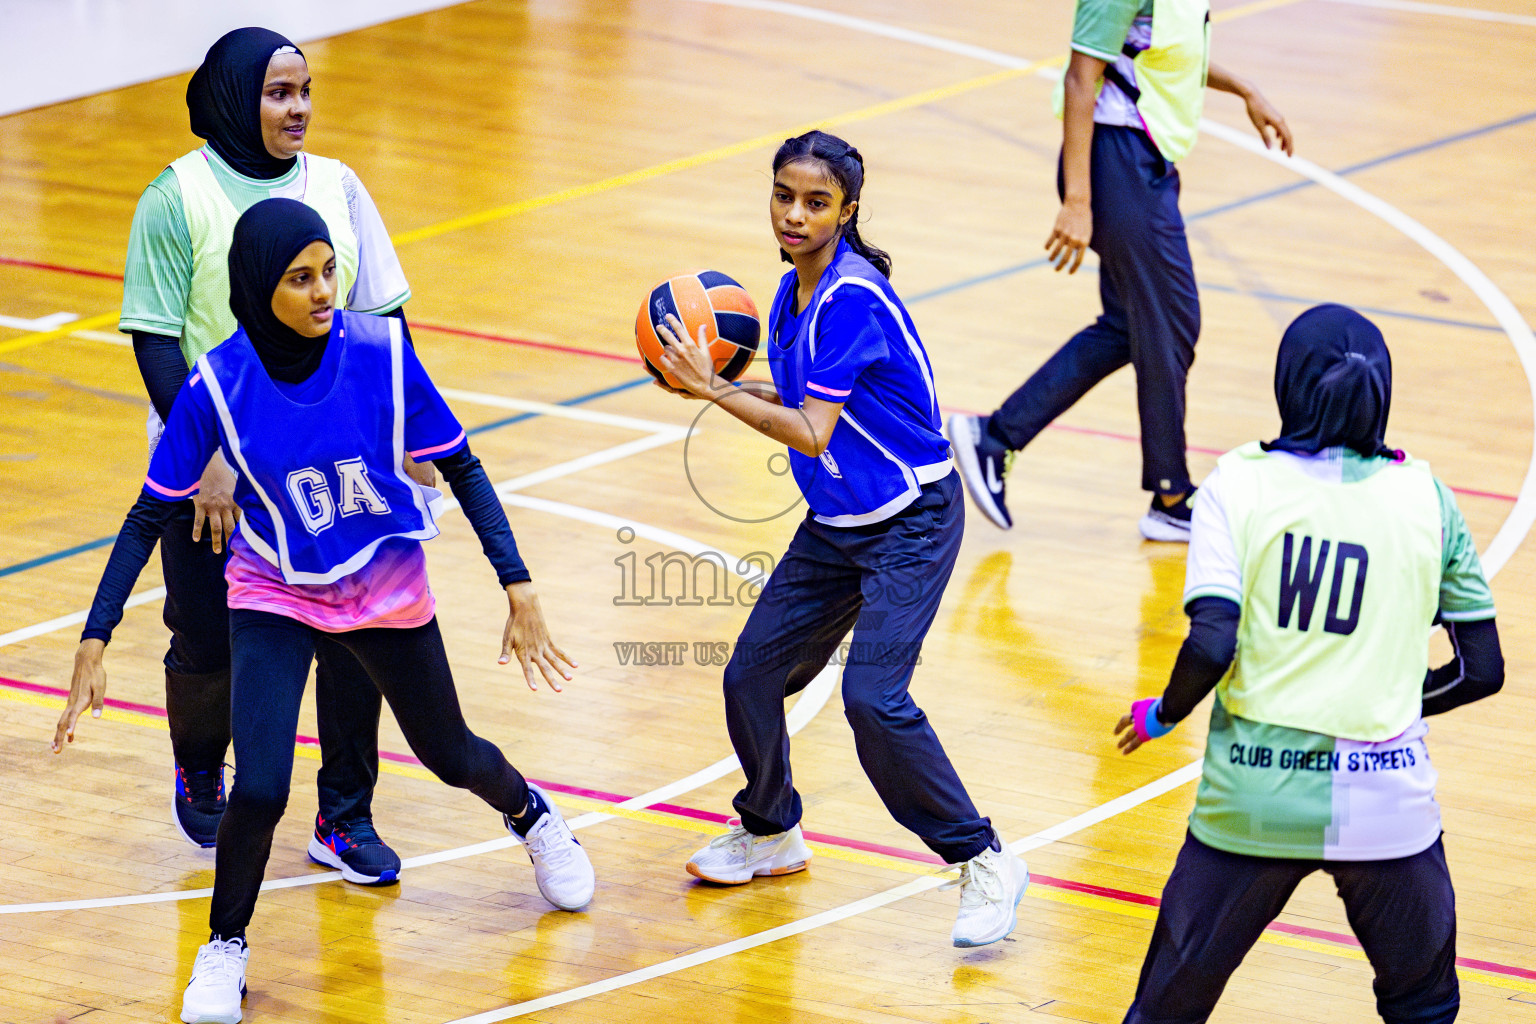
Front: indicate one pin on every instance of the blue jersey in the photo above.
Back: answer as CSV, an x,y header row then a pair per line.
x,y
855,343
321,478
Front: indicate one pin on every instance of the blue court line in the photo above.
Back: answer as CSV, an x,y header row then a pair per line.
x,y
1302,300
90,545
982,279
102,542
1259,197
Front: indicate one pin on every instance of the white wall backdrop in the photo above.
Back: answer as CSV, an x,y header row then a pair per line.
x,y
54,50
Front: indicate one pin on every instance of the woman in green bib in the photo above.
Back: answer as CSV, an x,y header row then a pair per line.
x,y
250,101
1318,564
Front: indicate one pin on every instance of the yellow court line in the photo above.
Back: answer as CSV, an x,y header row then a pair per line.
x,y
721,153
37,338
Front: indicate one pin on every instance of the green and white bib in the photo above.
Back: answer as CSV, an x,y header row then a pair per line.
x,y
211,218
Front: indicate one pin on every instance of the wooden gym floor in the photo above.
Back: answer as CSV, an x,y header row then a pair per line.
x,y
541,163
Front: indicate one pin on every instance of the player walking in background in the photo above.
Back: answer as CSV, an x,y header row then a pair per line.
x,y
328,558
250,100
1120,196
1317,565
854,400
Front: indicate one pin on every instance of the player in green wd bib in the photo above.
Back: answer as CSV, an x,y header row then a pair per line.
x,y
1318,564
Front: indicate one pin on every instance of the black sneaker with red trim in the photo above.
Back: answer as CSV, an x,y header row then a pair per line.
x,y
355,849
198,805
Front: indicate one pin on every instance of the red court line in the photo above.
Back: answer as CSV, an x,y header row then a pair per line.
x,y
1119,895
551,346
593,353
8,261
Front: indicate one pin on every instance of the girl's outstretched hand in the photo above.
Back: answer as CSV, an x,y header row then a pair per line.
x,y
528,637
87,689
1128,740
689,362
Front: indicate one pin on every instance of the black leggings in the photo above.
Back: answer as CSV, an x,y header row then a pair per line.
x,y
271,655
1216,905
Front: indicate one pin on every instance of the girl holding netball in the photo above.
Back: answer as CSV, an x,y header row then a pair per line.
x,y
854,401
1317,565
317,408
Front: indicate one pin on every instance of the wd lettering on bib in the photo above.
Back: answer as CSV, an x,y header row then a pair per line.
x,y
1301,580
1317,649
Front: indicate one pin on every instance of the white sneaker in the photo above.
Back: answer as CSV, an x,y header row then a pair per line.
x,y
991,885
1165,523
739,856
218,984
560,866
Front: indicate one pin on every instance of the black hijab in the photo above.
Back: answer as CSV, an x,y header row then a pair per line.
x,y
267,238
1333,383
224,100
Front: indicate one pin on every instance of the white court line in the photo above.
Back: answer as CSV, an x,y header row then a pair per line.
x,y
566,412
1443,10
874,28
106,337
925,883
42,323
16,636
1050,835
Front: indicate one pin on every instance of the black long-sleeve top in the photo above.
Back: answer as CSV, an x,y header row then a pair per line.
x,y
1475,671
147,520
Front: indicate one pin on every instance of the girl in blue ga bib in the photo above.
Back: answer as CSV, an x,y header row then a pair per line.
x,y
318,408
853,399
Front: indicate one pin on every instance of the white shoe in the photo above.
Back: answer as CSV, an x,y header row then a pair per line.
x,y
1160,522
739,856
560,866
991,885
218,984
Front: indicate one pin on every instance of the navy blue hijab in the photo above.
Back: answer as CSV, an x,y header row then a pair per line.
x,y
224,100
267,238
1333,383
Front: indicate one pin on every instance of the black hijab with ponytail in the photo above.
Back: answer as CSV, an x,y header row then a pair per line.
x,y
1333,383
845,166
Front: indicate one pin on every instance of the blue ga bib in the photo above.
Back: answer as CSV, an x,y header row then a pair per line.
x,y
328,477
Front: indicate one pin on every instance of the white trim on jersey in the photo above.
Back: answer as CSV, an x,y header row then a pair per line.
x,y
918,355
232,436
280,558
397,438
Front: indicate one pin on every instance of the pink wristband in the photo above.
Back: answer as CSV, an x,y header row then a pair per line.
x,y
1144,718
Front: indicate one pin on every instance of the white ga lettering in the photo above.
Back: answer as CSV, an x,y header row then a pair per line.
x,y
312,498
357,491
